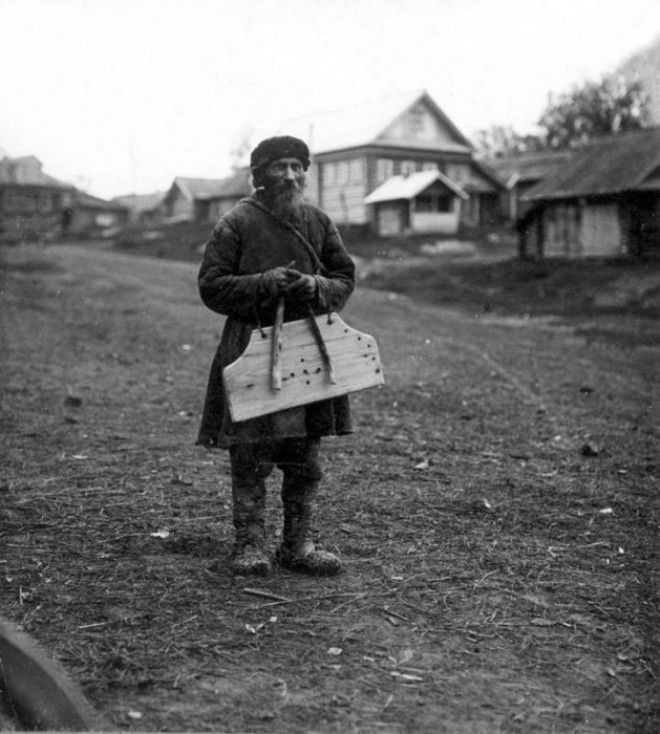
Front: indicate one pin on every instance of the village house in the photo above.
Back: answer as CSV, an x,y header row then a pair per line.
x,y
33,205
37,207
357,150
604,201
90,216
520,173
144,210
205,199
209,207
180,201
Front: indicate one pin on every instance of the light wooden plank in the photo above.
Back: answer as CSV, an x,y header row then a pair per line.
x,y
355,358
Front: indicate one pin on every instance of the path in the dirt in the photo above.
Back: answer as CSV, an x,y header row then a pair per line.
x,y
495,579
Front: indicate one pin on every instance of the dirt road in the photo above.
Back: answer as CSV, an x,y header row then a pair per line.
x,y
496,510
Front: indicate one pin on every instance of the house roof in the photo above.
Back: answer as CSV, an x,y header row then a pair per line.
x,y
140,202
608,165
528,167
27,171
238,184
365,123
195,188
407,187
487,182
88,201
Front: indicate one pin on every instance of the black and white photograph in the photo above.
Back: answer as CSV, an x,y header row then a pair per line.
x,y
330,366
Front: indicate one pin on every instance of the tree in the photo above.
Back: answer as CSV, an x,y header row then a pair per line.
x,y
241,146
498,141
612,105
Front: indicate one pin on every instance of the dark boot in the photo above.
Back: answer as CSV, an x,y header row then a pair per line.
x,y
298,550
250,554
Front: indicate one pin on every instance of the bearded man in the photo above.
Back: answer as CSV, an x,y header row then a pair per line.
x,y
270,246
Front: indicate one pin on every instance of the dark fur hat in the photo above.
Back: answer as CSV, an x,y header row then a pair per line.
x,y
282,146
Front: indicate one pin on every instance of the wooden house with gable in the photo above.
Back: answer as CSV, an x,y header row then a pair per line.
x,y
209,207
604,201
33,205
144,210
205,199
358,149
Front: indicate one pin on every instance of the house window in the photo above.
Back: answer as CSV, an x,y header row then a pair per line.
x,y
408,167
329,173
445,203
458,172
45,203
429,166
10,203
342,172
442,203
424,203
384,169
355,170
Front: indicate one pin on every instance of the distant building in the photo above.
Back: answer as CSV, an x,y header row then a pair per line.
x,y
210,207
522,172
420,203
205,199
33,205
603,201
143,209
358,149
90,216
36,206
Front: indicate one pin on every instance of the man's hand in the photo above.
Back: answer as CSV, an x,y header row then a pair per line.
x,y
277,280
303,288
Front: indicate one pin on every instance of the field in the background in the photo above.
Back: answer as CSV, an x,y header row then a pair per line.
x,y
496,510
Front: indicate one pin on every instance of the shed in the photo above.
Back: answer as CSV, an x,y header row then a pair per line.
x,y
603,202
89,215
522,172
422,202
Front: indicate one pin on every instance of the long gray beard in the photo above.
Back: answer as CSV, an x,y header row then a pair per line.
x,y
286,203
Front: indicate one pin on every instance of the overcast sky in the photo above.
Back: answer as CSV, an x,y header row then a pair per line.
x,y
120,96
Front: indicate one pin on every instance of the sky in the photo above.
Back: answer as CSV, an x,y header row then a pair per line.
x,y
121,96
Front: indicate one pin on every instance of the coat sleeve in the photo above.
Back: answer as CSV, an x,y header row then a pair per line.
x,y
336,283
219,287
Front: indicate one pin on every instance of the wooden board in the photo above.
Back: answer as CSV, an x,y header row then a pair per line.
x,y
305,380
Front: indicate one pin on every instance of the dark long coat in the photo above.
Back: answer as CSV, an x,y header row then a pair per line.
x,y
243,244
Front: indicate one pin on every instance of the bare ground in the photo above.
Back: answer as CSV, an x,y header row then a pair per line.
x,y
496,509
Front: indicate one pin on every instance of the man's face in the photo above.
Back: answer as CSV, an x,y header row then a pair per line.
x,y
285,174
284,183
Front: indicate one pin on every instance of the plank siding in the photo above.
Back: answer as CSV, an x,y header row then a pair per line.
x,y
418,125
601,231
345,204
